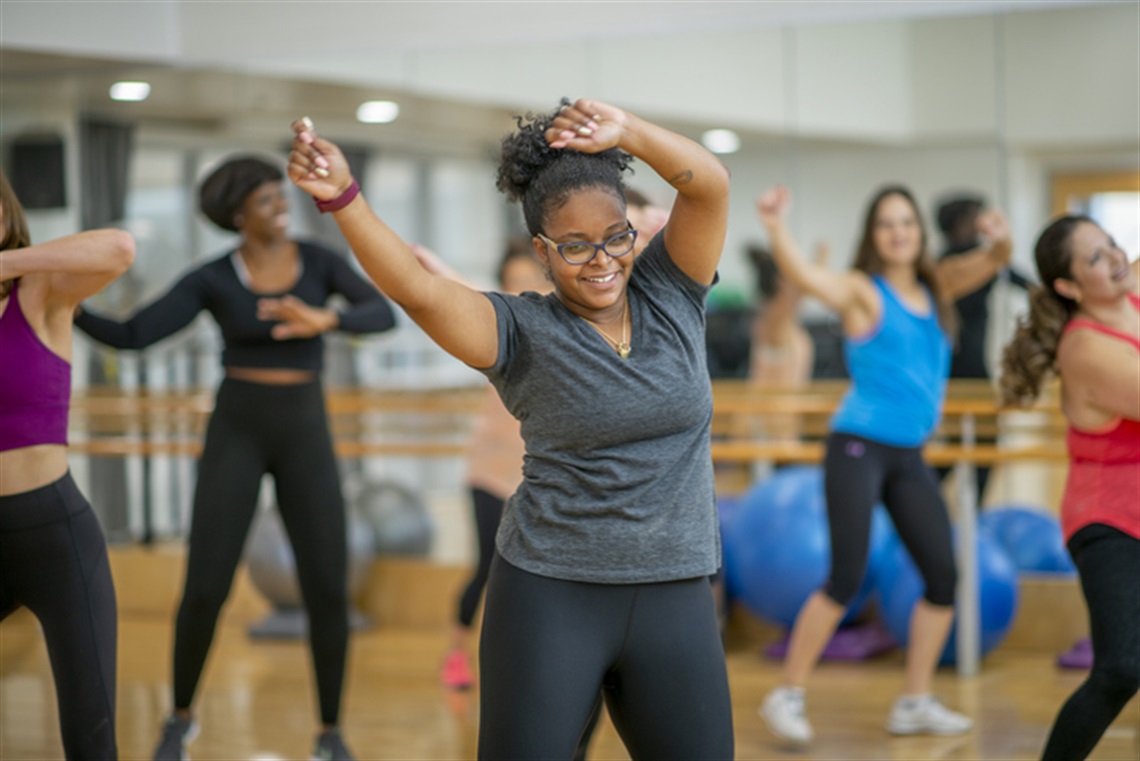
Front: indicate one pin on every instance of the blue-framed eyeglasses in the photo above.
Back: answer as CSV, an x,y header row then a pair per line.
x,y
582,251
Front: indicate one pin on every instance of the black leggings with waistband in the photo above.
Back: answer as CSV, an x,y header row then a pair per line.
x,y
53,559
259,429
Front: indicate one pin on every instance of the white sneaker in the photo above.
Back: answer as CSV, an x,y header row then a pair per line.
x,y
783,712
924,715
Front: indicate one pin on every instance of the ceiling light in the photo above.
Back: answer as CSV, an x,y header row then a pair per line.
x,y
721,141
377,112
133,91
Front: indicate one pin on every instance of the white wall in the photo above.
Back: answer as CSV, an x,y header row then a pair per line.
x,y
1072,76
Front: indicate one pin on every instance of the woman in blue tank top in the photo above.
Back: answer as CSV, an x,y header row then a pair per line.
x,y
896,306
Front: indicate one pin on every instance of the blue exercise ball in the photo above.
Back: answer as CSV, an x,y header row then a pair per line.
x,y
727,507
778,550
899,586
1031,536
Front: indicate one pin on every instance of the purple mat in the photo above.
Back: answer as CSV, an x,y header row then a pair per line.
x,y
1079,656
852,643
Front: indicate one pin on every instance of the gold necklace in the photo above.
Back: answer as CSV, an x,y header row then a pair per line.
x,y
622,346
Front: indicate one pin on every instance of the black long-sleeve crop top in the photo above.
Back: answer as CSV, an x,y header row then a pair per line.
x,y
216,287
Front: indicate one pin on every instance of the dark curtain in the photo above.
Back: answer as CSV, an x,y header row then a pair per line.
x,y
104,166
104,159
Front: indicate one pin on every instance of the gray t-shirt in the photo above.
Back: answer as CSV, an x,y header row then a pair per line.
x,y
618,478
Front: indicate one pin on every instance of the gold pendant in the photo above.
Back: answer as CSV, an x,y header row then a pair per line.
x,y
623,350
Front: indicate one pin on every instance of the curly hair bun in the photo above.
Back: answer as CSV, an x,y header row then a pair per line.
x,y
542,178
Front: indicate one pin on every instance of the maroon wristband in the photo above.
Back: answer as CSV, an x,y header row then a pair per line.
x,y
338,203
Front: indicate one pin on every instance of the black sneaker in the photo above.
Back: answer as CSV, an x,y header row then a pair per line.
x,y
177,733
330,747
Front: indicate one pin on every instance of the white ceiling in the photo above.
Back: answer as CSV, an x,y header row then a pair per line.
x,y
334,39
216,61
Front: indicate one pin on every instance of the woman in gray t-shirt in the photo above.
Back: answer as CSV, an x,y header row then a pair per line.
x,y
600,581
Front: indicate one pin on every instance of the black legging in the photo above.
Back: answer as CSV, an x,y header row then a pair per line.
x,y
283,431
654,650
858,473
1109,565
53,559
488,512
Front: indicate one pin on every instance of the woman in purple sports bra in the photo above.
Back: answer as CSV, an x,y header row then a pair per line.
x,y
53,558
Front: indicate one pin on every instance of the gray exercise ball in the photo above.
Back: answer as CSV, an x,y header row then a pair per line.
x,y
401,524
273,569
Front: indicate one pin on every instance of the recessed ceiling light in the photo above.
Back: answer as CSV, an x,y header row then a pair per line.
x,y
133,91
721,141
377,111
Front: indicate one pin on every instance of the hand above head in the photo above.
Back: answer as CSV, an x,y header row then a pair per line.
x,y
773,204
295,318
994,227
589,126
316,165
822,255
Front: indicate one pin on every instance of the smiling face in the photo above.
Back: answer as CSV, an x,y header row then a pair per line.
x,y
1099,268
897,232
264,214
597,286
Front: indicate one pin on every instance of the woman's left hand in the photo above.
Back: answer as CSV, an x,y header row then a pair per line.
x,y
589,126
994,228
295,318
993,225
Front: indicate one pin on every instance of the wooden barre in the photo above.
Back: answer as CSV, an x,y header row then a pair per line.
x,y
732,398
722,451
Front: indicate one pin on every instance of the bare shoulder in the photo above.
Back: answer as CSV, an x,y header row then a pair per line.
x,y
1082,353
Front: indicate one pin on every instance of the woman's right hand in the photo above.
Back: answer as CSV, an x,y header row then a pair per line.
x,y
773,204
316,165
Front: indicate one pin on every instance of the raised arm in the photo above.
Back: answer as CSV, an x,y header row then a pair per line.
x,y
966,273
845,292
163,317
67,270
695,232
459,319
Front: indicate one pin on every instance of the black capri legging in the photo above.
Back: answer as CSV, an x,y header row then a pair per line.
x,y
283,431
488,513
53,559
858,473
1109,565
654,651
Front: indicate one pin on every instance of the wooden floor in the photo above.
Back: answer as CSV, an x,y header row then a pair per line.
x,y
256,702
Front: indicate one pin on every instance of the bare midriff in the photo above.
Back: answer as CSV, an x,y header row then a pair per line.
x,y
29,468
271,376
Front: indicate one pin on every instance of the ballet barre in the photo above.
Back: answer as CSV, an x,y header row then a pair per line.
x,y
110,422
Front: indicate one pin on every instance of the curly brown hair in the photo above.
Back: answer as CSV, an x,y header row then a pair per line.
x,y
1031,356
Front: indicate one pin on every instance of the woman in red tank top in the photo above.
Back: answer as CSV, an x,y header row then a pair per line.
x,y
1084,324
53,557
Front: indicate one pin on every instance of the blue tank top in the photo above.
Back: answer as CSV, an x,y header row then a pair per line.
x,y
898,376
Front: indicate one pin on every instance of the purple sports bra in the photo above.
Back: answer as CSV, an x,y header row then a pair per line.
x,y
35,384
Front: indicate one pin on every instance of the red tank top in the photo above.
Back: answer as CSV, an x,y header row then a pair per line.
x,y
35,384
1104,471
